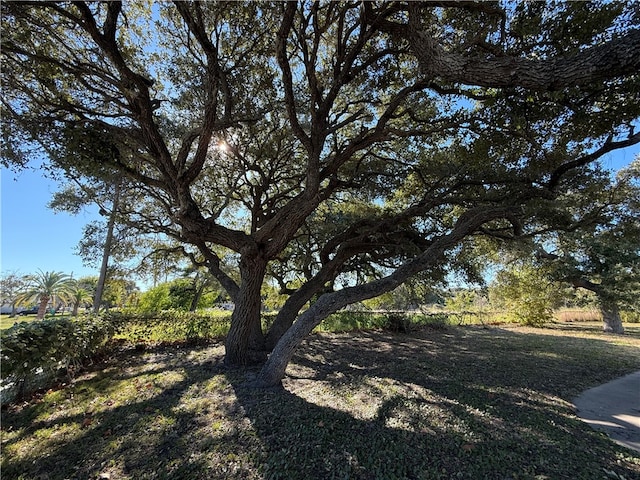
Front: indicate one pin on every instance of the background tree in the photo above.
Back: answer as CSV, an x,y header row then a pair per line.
x,y
45,287
118,290
78,296
605,258
12,286
526,292
155,299
353,145
89,284
103,242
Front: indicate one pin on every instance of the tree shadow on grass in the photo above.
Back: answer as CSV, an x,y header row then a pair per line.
x,y
143,421
494,357
460,403
432,406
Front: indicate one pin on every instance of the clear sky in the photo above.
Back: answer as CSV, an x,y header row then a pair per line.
x,y
33,237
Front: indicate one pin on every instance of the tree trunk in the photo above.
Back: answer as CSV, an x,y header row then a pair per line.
x,y
293,305
196,298
608,307
74,313
274,369
42,308
107,249
283,321
611,318
244,344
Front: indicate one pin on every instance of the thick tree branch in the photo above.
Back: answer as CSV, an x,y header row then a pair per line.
x,y
329,303
134,86
616,58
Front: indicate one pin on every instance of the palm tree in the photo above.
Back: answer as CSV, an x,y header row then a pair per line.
x,y
78,295
46,286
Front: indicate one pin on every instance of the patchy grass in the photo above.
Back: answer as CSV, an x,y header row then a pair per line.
x,y
445,403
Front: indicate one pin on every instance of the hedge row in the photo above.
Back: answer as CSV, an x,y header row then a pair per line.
x,y
171,326
43,347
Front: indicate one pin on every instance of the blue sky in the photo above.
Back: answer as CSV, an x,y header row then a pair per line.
x,y
33,237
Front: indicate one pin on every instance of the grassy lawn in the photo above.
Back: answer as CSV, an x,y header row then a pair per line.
x,y
6,321
446,403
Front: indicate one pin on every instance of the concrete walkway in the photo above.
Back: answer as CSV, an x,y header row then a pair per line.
x,y
614,408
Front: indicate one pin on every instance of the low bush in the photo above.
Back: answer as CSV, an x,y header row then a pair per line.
x,y
439,320
33,352
630,316
346,321
398,322
45,346
395,321
172,326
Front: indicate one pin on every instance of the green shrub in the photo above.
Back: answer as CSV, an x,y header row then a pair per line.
x,y
398,322
348,321
47,345
172,326
630,316
438,320
155,299
526,294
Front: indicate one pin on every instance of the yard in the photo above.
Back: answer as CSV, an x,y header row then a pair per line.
x,y
449,402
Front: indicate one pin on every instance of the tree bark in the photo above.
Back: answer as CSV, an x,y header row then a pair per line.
x,y
42,308
244,344
305,293
292,307
273,370
97,300
612,323
283,321
615,58
611,317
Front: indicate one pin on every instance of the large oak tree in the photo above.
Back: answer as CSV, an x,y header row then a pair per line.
x,y
338,147
603,257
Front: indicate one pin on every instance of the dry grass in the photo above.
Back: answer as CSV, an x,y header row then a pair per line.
x,y
468,402
577,315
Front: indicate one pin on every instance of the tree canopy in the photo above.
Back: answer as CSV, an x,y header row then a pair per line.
x,y
339,148
605,258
